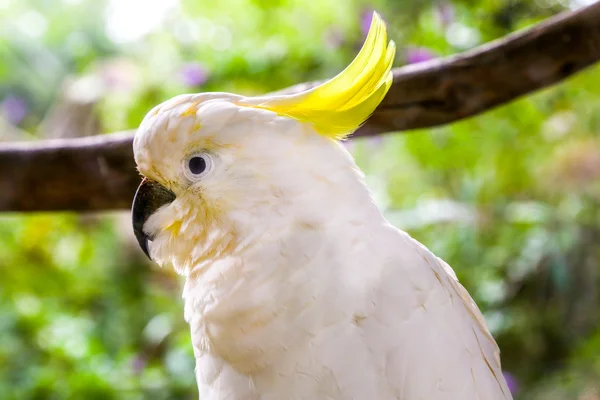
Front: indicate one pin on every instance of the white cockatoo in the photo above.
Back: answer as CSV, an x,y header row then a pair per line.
x,y
296,286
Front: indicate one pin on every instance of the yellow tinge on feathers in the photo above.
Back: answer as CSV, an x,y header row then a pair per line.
x,y
339,106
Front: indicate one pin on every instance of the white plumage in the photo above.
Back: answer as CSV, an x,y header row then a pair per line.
x,y
296,285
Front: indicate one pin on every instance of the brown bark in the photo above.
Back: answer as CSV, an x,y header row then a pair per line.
x,y
83,174
92,174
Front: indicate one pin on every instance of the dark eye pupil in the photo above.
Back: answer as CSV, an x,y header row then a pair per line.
x,y
197,165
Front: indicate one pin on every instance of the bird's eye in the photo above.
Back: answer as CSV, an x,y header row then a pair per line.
x,y
197,165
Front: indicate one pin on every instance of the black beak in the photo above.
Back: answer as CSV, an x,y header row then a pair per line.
x,y
150,196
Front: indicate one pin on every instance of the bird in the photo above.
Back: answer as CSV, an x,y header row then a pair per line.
x,y
296,286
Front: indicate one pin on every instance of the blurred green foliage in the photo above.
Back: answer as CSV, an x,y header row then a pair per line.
x,y
510,198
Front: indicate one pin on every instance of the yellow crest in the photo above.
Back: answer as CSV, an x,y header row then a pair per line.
x,y
339,106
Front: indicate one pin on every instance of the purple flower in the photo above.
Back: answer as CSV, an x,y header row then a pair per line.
x,y
350,145
375,141
445,13
119,75
334,38
14,109
138,363
193,74
365,21
418,54
512,382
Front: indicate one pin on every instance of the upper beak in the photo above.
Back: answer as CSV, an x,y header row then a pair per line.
x,y
150,196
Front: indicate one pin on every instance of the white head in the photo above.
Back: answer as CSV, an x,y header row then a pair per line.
x,y
220,168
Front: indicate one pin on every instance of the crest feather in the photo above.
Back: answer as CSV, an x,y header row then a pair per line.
x,y
339,106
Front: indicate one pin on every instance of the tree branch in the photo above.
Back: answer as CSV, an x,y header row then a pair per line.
x,y
82,174
98,173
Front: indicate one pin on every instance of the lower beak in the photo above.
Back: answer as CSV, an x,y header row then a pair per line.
x,y
150,196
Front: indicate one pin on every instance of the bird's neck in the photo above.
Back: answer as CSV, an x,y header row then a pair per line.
x,y
264,297
278,277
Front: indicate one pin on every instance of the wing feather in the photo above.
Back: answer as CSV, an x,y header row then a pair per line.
x,y
427,330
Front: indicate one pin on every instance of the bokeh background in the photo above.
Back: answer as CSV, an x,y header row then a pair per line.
x,y
509,198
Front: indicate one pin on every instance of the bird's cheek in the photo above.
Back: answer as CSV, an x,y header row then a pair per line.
x,y
171,244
